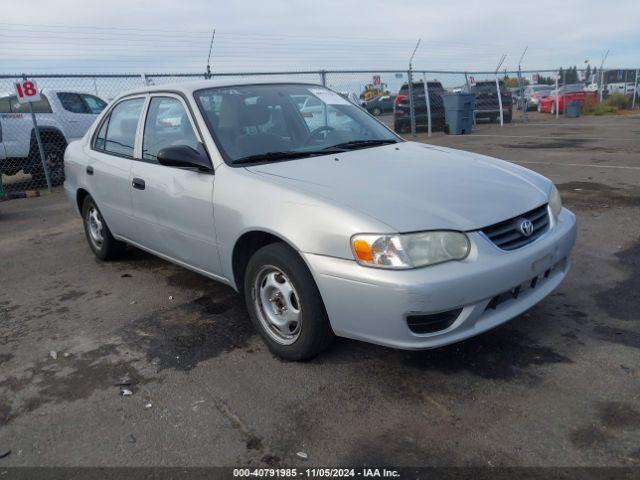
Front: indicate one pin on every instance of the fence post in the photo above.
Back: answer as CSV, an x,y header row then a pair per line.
x,y
412,112
635,92
466,82
521,99
36,131
601,83
323,78
499,100
557,100
428,102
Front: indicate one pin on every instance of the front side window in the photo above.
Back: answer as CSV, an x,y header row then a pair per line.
x,y
72,102
120,135
284,121
167,125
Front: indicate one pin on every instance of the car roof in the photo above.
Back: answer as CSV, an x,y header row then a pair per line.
x,y
188,87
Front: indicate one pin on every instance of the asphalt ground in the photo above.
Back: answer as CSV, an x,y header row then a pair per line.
x,y
557,386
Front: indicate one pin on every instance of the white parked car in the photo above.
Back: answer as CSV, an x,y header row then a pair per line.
x,y
62,117
340,228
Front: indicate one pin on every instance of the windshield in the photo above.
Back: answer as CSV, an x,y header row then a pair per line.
x,y
283,121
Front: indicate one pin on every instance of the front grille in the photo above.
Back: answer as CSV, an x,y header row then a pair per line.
x,y
507,235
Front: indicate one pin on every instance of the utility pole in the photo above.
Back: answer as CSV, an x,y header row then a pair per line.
x,y
502,59
207,75
602,74
412,111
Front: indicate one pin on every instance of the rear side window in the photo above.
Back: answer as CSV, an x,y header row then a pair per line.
x,y
72,102
41,106
101,137
93,103
5,105
121,128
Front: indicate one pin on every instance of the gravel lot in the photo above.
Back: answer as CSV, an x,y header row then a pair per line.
x,y
557,386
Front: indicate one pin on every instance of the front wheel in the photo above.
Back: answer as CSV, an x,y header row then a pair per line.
x,y
376,112
99,237
285,305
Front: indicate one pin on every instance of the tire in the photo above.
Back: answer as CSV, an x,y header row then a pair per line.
x,y
376,112
102,243
54,154
278,287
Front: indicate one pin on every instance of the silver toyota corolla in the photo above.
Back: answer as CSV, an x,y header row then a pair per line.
x,y
328,222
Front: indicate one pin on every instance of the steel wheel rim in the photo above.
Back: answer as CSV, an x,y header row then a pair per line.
x,y
277,305
94,222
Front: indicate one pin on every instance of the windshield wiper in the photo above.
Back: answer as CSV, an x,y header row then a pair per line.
x,y
355,144
285,155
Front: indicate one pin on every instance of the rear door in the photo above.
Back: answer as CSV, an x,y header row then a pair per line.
x,y
108,169
173,206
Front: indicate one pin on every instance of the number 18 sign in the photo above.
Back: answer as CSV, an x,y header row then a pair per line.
x,y
27,91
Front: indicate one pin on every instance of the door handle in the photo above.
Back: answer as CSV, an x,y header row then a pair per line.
x,y
138,183
89,170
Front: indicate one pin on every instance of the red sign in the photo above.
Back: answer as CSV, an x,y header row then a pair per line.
x,y
27,91
376,80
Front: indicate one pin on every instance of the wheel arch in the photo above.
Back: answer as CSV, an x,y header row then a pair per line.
x,y
49,133
81,195
246,245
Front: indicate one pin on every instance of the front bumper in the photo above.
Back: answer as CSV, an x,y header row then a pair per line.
x,y
373,304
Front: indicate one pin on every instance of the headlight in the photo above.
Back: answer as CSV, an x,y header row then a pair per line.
x,y
555,202
410,250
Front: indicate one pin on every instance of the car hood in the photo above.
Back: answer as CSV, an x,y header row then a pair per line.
x,y
413,186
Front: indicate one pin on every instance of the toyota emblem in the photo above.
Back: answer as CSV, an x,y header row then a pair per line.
x,y
526,228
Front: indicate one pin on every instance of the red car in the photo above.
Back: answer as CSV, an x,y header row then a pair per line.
x,y
566,93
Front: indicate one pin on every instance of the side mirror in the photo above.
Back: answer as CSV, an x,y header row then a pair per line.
x,y
186,157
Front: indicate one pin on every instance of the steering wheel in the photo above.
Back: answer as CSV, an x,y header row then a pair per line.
x,y
316,131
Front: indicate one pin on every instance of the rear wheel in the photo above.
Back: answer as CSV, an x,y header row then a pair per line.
x,y
54,158
99,237
284,303
376,112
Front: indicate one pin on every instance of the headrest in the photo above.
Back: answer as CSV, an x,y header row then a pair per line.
x,y
253,115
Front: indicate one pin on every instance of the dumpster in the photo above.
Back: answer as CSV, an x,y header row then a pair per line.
x,y
574,109
458,112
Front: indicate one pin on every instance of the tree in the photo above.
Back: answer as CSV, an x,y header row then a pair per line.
x,y
561,76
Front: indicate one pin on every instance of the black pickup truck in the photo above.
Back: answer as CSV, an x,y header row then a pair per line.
x,y
487,104
401,111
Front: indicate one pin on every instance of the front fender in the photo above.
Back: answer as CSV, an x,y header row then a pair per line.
x,y
246,201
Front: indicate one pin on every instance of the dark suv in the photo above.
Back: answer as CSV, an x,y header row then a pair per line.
x,y
401,111
487,105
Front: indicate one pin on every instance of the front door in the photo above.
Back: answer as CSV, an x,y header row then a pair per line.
x,y
173,206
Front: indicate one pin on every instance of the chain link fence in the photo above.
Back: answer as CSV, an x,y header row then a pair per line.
x,y
408,101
